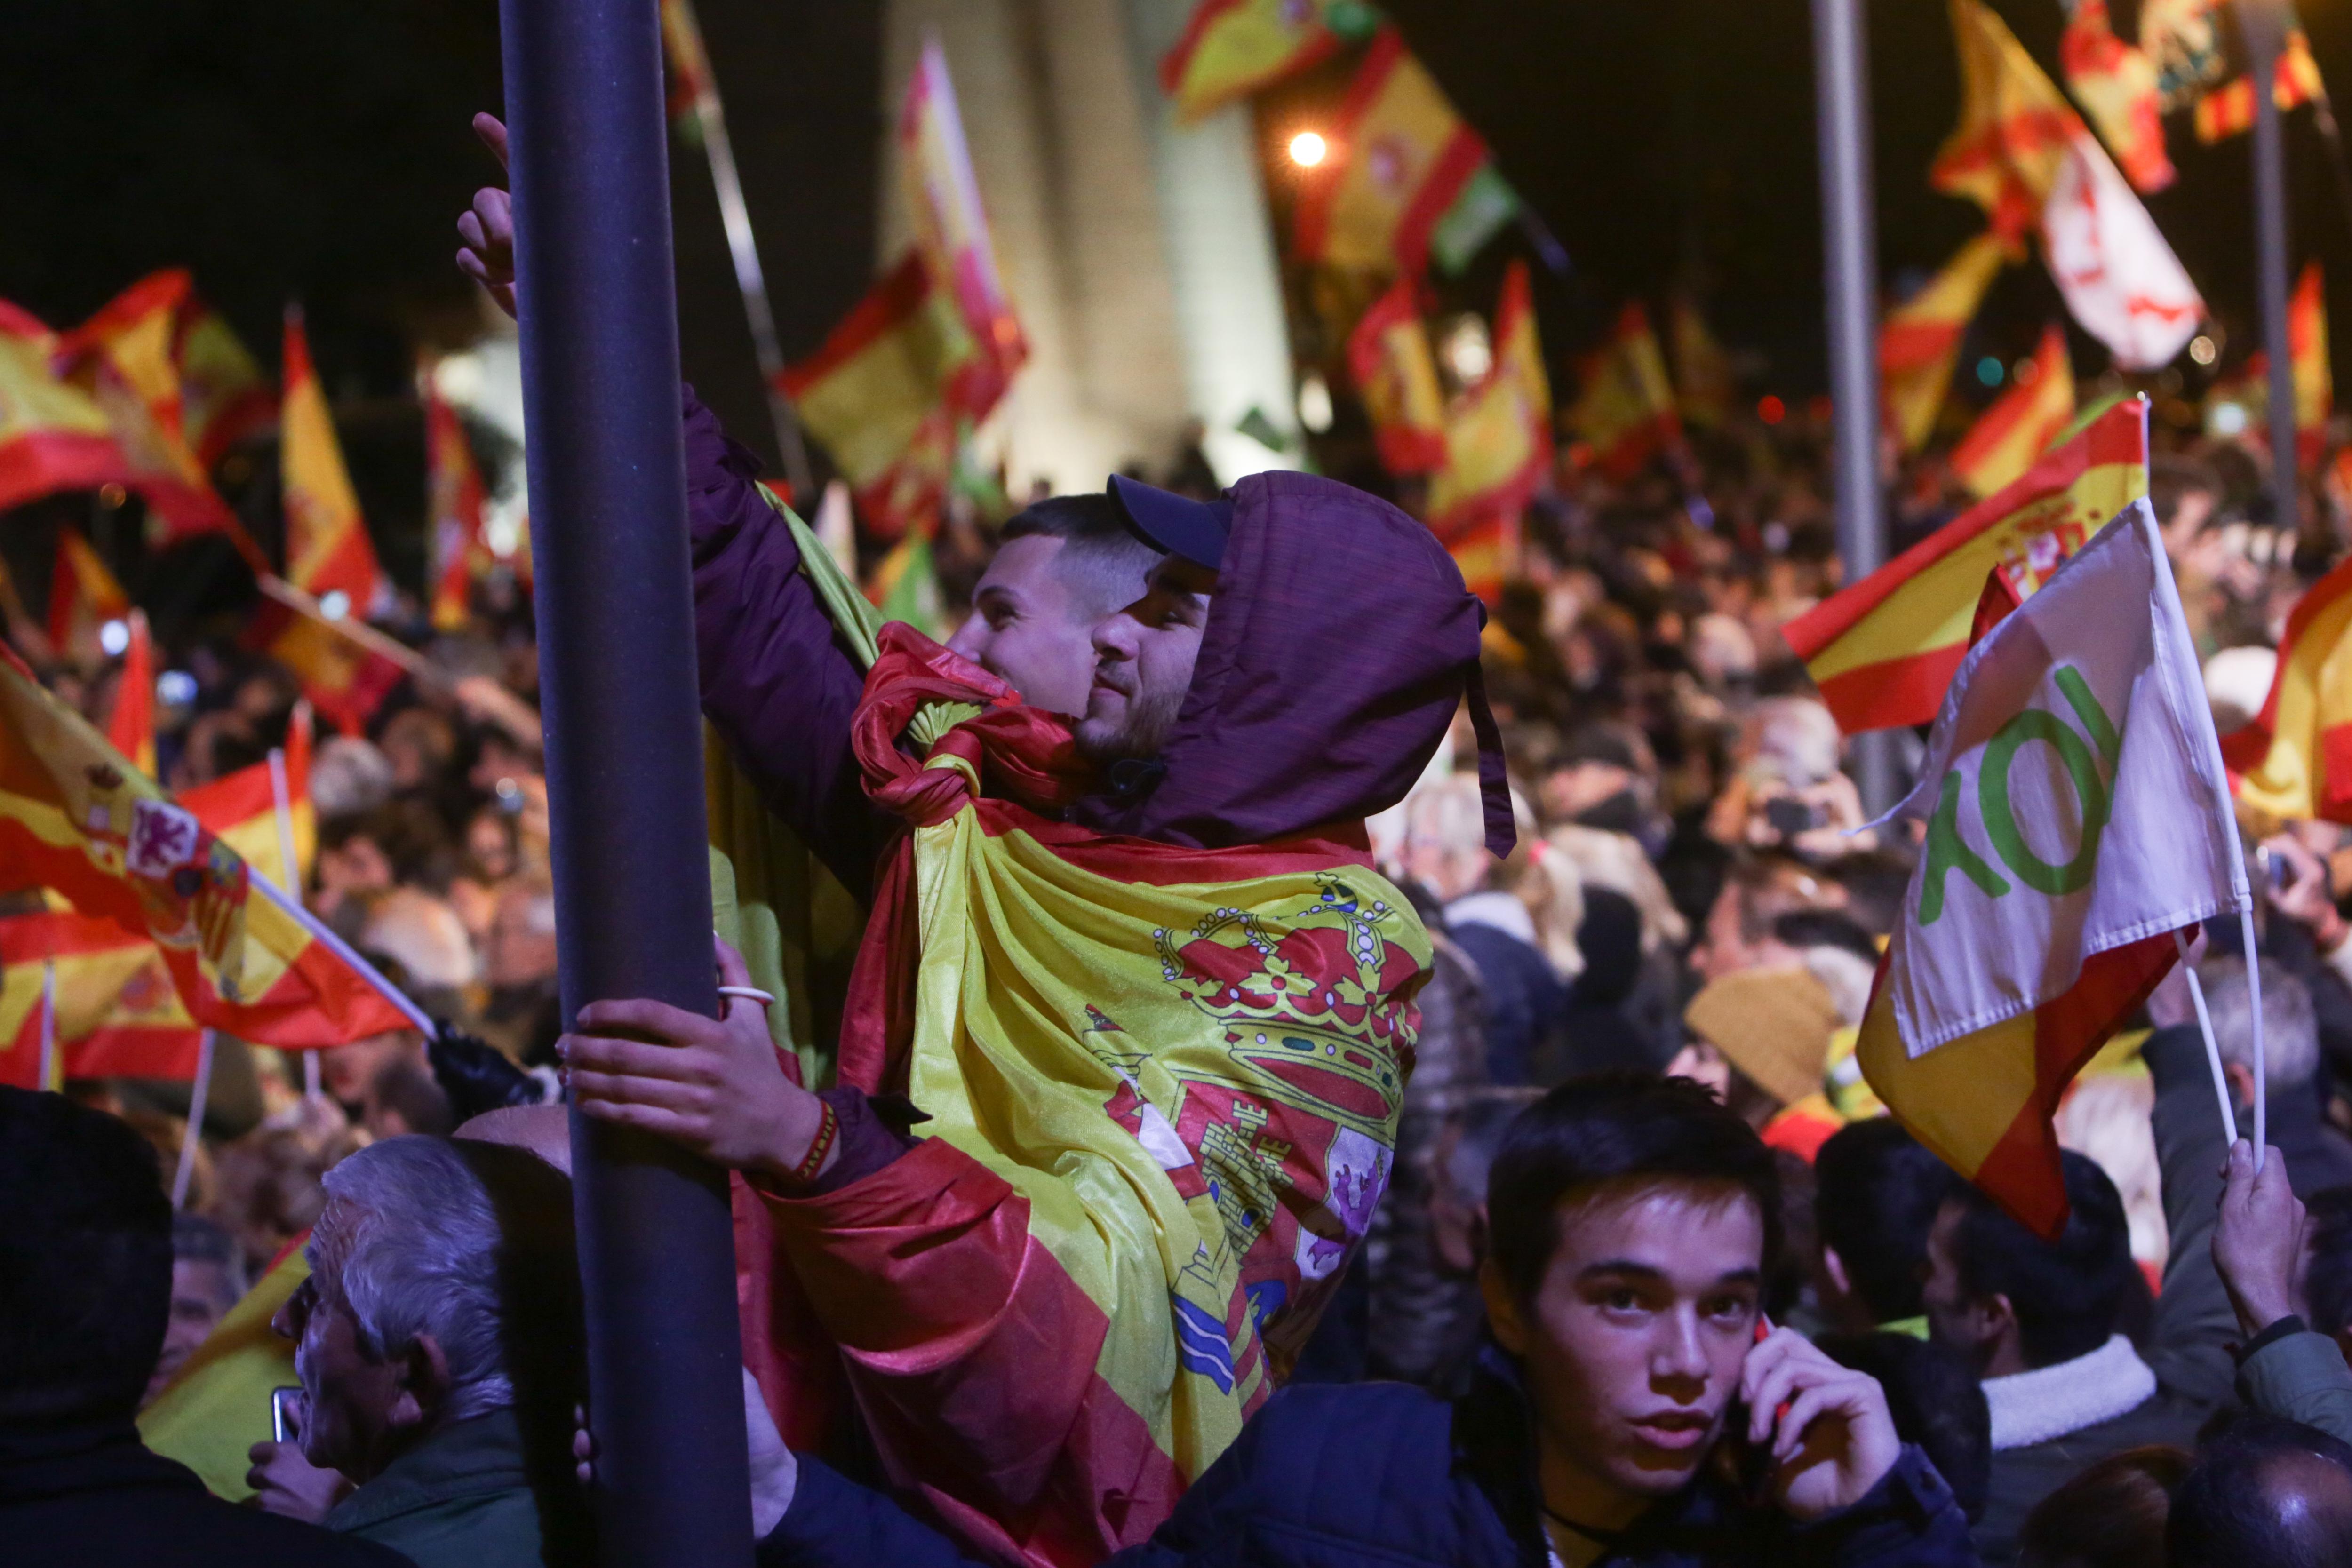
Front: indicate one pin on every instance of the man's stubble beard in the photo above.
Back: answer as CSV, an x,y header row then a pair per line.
x,y
1150,719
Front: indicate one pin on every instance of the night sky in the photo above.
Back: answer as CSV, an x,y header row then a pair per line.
x,y
320,151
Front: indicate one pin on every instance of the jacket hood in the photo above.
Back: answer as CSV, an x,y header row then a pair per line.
x,y
1339,646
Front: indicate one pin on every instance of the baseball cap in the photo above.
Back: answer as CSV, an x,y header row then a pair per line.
x,y
1197,530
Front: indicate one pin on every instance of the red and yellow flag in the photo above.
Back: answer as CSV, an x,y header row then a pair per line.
x,y
128,357
117,1015
867,392
2015,127
327,546
75,816
53,436
1400,157
454,487
688,80
1233,47
131,728
1625,412
240,808
1883,650
1705,387
2229,109
217,1406
2020,423
83,597
951,236
2315,381
1396,375
2294,760
1499,434
2115,82
1920,340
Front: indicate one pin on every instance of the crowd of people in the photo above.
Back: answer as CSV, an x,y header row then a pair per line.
x,y
1651,1278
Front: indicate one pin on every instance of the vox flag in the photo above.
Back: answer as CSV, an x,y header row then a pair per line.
x,y
1625,410
1396,374
2294,760
1920,341
53,436
327,547
1399,159
2020,423
1233,47
76,817
117,1013
1883,650
2077,817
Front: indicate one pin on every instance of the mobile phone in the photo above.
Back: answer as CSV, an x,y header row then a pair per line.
x,y
285,1413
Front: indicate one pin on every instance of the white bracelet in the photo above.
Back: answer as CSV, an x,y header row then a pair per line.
x,y
754,992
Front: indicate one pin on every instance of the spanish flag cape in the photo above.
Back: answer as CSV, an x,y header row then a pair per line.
x,y
1162,1086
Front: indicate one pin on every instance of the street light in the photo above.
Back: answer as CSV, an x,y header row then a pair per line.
x,y
1308,149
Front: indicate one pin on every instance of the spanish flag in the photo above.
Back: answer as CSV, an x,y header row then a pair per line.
x,y
906,584
1499,434
327,546
130,727
117,1013
2294,760
127,358
454,487
1485,548
76,816
1883,650
1396,375
53,436
1626,409
240,808
2115,82
2020,423
2077,817
2015,126
1399,158
867,392
1703,385
217,1406
951,236
83,598
2229,109
1920,340
1233,47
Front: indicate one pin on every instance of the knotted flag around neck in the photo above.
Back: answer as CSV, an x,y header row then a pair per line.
x,y
2077,818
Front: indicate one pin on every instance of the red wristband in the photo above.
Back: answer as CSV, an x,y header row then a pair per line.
x,y
828,1127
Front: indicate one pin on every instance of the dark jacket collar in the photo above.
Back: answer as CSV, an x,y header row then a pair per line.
x,y
465,1459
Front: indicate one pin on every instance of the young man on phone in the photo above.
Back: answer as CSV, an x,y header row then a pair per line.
x,y
1635,1407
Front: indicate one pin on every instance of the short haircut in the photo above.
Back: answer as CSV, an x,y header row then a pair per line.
x,y
2267,1493
2290,1027
2068,1294
468,1242
2111,1515
1103,561
1934,1400
2327,1286
85,1262
1879,1188
1617,1129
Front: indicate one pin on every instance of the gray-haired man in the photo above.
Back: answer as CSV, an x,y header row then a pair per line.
x,y
438,1344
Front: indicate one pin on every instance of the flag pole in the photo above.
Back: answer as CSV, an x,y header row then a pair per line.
x,y
193,1136
1850,254
2263,24
2254,1006
327,938
288,872
596,284
49,1021
2213,1048
751,279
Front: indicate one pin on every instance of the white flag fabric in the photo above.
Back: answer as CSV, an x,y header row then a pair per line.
x,y
2120,278
2074,794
